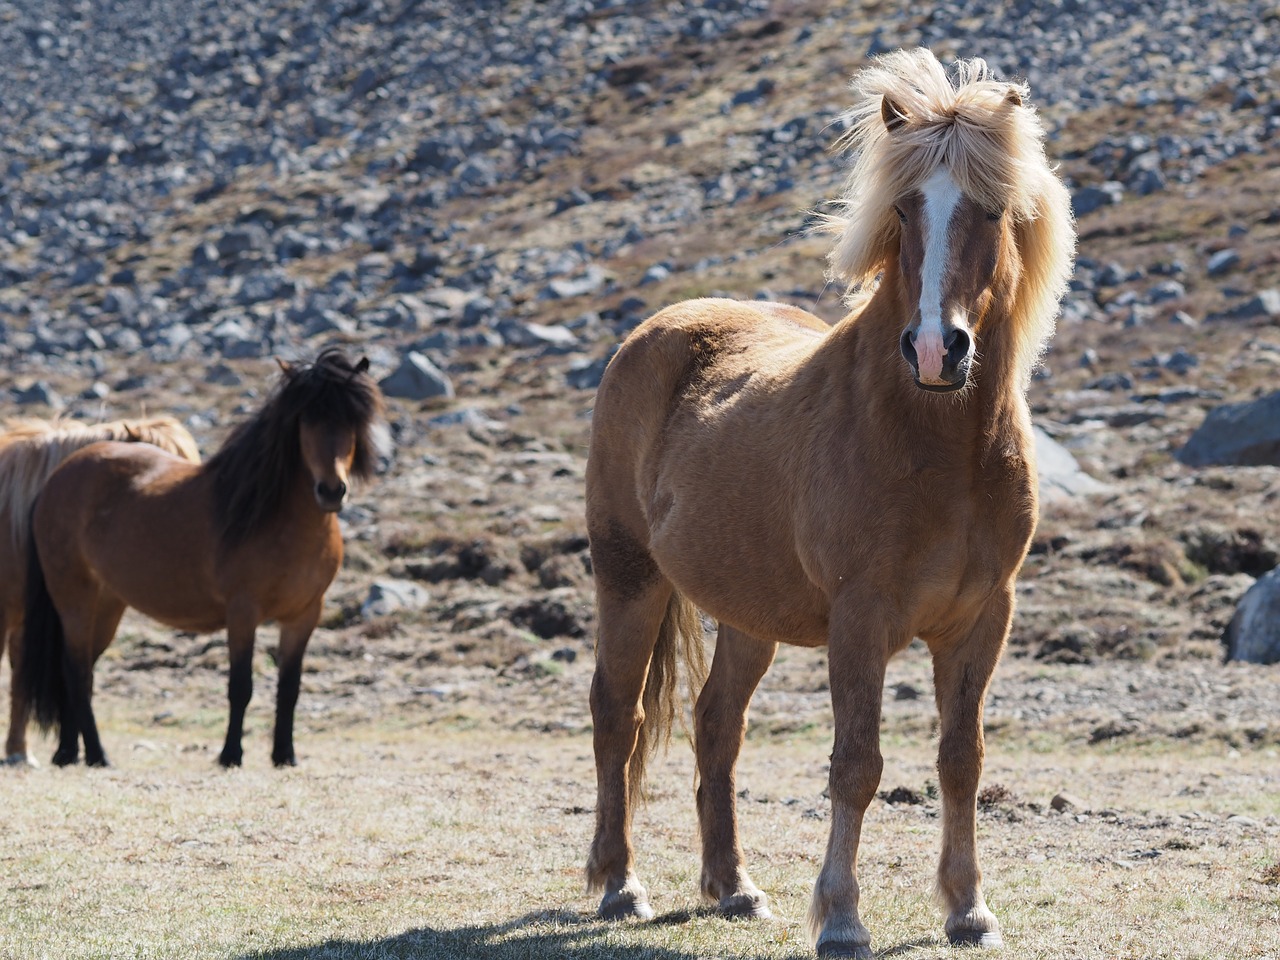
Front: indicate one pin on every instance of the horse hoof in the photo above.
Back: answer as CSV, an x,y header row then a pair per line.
x,y
61,759
625,905
841,948
745,906
289,761
21,760
230,759
987,939
97,762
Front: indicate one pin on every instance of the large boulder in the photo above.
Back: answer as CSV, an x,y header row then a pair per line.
x,y
1253,635
1238,434
1060,475
417,378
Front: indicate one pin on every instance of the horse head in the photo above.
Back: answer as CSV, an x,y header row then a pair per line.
x,y
954,252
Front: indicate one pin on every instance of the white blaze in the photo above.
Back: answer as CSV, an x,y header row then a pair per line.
x,y
941,197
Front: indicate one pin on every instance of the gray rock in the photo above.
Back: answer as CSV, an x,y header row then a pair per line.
x,y
40,393
518,334
1241,434
1166,291
1222,261
1266,303
1088,199
387,596
563,288
1253,635
585,374
1060,475
417,378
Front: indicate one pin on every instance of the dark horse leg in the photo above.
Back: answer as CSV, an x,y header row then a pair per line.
x,y
86,637
861,638
961,672
721,716
241,627
631,611
293,643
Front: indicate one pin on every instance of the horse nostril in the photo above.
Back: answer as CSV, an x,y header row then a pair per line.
x,y
326,492
957,343
909,349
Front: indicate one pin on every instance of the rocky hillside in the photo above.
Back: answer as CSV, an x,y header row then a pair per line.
x,y
504,189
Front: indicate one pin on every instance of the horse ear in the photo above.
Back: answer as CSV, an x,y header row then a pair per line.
x,y
892,114
285,366
1013,97
363,365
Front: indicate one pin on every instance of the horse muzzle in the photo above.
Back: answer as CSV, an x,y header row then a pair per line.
x,y
330,498
939,359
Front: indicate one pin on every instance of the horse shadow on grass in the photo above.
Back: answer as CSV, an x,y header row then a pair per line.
x,y
559,934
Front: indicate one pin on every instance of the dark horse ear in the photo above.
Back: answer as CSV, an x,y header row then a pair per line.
x,y
363,365
1013,97
892,114
284,365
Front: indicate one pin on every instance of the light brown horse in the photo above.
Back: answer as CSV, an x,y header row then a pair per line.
x,y
30,450
854,486
252,535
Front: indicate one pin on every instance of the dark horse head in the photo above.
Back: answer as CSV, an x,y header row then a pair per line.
x,y
323,422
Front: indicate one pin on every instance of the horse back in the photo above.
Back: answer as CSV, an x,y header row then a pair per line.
x,y
134,521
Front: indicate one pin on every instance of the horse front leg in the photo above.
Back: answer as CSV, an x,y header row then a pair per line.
x,y
293,644
15,745
241,634
961,673
857,653
721,724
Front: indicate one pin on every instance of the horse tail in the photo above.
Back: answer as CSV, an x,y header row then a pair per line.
x,y
679,638
40,675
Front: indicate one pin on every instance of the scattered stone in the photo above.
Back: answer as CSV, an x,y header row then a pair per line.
x,y
417,378
387,596
901,795
1089,199
1222,262
1253,635
1059,473
1066,802
1240,434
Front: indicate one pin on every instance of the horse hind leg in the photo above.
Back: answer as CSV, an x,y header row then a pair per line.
x,y
721,723
632,602
85,639
15,746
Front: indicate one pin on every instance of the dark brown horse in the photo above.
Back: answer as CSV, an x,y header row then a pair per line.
x,y
249,536
851,486
30,450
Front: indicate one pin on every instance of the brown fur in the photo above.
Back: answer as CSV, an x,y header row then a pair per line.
x,y
126,525
30,450
796,483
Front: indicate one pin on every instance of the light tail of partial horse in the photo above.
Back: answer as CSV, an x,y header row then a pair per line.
x,y
41,674
679,639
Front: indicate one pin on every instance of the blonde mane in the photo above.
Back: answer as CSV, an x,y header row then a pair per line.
x,y
31,449
991,141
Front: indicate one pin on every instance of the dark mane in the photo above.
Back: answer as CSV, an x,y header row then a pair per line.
x,y
257,465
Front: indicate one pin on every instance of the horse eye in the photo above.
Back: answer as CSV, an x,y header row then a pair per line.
x,y
902,217
995,215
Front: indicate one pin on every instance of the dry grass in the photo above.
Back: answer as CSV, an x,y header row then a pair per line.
x,y
431,841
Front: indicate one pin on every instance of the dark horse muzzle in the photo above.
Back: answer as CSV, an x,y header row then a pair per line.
x,y
330,498
939,360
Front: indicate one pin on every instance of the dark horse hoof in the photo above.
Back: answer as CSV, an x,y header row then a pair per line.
x,y
840,948
98,761
289,761
230,759
976,938
65,758
624,905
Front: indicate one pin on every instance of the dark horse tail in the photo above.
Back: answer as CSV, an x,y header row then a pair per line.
x,y
40,674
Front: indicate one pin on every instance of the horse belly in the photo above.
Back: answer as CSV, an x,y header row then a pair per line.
x,y
758,587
